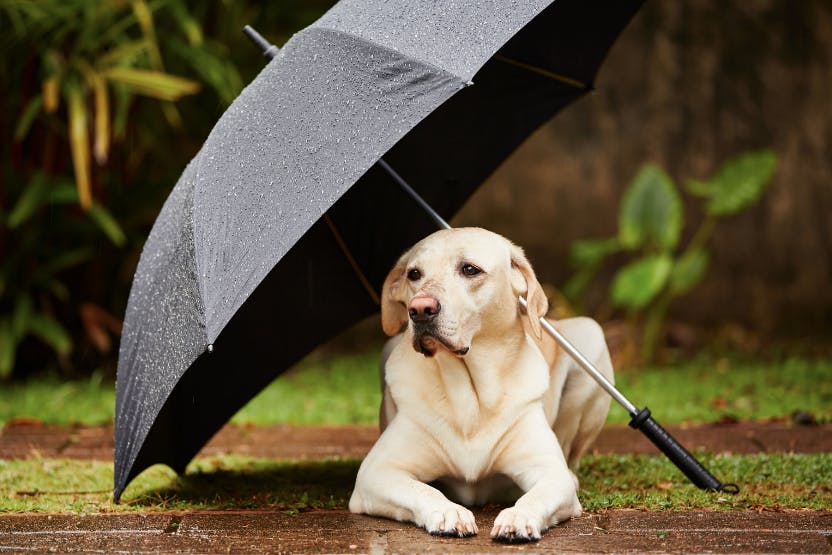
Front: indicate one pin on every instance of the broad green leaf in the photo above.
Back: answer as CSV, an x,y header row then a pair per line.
x,y
50,332
639,282
152,83
79,142
740,182
688,270
30,200
651,212
698,188
108,224
8,346
31,111
590,252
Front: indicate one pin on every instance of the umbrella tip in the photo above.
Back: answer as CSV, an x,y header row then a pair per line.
x,y
269,50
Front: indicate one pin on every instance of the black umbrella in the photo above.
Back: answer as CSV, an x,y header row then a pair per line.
x,y
272,240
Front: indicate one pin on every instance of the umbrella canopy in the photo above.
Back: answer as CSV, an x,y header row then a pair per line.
x,y
281,230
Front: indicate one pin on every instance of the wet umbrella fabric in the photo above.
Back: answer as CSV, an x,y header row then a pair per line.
x,y
280,231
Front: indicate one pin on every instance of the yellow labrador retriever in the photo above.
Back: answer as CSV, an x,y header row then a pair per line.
x,y
477,401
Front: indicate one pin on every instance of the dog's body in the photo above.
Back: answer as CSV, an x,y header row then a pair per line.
x,y
476,399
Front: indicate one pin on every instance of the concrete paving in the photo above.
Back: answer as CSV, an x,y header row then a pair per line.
x,y
616,531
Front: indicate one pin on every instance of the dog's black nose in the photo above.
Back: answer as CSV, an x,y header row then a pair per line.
x,y
424,308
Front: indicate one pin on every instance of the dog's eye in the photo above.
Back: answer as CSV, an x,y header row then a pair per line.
x,y
470,270
414,274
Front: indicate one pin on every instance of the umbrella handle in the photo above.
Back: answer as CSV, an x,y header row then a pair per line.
x,y
680,456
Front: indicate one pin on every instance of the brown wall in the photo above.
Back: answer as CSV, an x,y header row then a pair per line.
x,y
688,85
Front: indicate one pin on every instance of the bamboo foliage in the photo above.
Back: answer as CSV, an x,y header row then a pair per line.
x,y
91,86
98,51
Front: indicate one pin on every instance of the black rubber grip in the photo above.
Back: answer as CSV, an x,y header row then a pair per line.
x,y
680,456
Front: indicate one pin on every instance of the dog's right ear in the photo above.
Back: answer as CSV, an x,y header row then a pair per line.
x,y
393,309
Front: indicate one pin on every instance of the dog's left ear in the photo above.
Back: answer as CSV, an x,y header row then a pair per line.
x,y
525,283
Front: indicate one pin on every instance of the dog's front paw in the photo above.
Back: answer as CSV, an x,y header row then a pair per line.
x,y
513,525
451,520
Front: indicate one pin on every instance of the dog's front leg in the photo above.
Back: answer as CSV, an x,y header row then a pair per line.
x,y
391,483
536,464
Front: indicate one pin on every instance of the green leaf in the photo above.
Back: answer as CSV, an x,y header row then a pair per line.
x,y
66,259
22,315
50,332
108,224
29,201
29,114
697,188
8,347
639,282
590,252
651,212
62,193
740,182
688,271
577,284
152,83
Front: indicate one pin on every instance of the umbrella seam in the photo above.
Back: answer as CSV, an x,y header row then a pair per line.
x,y
429,65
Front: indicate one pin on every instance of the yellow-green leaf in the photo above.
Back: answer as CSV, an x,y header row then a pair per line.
x,y
101,146
50,91
152,83
79,143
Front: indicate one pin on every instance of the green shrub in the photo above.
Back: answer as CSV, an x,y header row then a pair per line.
x,y
650,224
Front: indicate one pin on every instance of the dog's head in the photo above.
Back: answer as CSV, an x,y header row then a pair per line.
x,y
457,284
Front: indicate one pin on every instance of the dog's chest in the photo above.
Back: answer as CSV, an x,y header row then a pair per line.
x,y
469,414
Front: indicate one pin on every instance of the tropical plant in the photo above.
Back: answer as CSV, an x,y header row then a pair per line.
x,y
650,225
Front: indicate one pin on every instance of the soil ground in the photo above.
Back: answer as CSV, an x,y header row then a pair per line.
x,y
613,531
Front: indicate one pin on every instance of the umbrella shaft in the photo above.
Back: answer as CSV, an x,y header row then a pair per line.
x,y
434,215
584,363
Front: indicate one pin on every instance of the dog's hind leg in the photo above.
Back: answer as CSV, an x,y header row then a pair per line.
x,y
583,405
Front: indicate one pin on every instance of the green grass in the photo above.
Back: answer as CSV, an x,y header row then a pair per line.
x,y
342,390
768,481
346,390
709,391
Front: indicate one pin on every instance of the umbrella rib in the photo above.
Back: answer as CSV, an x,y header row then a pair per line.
x,y
544,72
348,255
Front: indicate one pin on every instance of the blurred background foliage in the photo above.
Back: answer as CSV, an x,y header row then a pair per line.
x,y
104,104
650,225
